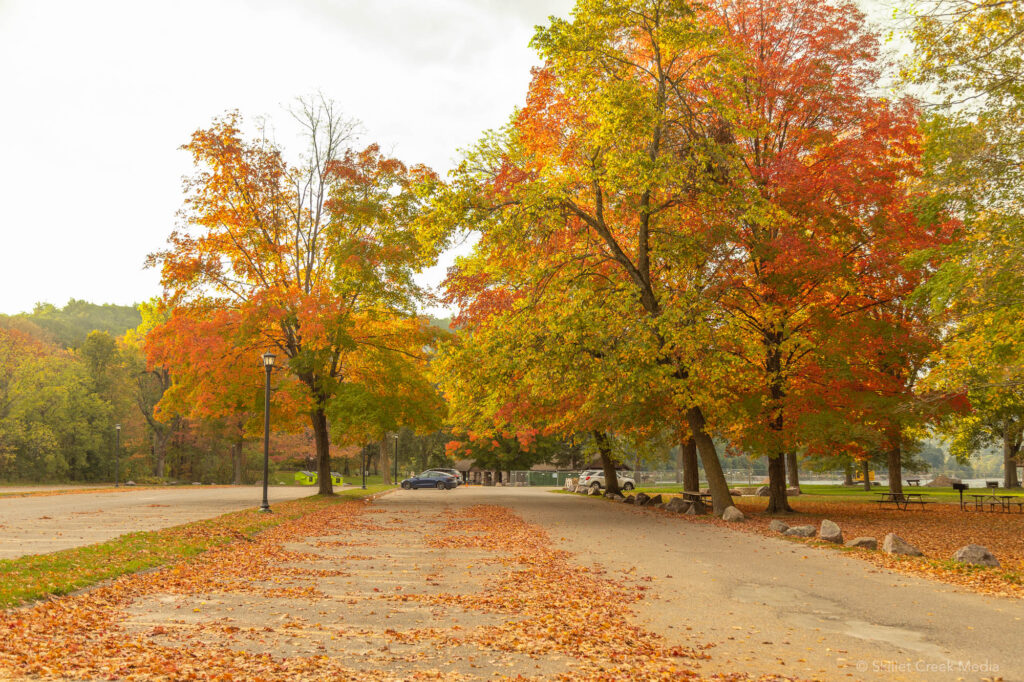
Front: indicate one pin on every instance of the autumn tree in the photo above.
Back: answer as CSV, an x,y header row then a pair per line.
x,y
967,60
53,424
305,254
824,176
589,193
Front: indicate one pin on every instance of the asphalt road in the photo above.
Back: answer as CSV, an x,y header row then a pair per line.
x,y
48,523
771,605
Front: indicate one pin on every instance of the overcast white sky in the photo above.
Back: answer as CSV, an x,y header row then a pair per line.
x,y
97,96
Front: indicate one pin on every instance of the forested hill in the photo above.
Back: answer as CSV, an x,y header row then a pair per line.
x,y
68,326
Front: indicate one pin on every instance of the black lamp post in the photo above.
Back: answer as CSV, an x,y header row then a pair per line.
x,y
268,364
396,457
364,468
117,456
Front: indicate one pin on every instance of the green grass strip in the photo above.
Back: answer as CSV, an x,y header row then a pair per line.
x,y
37,576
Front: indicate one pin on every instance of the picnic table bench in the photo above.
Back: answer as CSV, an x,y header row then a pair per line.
x,y
697,496
1003,502
914,481
901,500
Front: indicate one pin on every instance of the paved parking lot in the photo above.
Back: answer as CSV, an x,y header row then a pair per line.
x,y
46,523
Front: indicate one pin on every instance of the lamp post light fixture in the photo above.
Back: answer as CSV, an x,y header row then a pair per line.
x,y
268,364
396,458
117,456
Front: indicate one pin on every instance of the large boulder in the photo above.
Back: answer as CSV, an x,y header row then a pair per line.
x,y
976,555
792,492
894,544
863,543
696,508
630,499
736,492
653,501
732,514
942,482
595,490
641,499
802,531
778,526
830,532
677,505
763,491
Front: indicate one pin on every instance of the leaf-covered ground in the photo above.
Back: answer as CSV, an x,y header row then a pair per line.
x,y
938,531
353,591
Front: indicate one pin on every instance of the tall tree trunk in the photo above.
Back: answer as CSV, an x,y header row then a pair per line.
x,y
385,461
1011,448
777,500
848,475
679,458
236,460
894,464
866,469
346,468
161,437
720,497
323,451
691,474
792,470
604,447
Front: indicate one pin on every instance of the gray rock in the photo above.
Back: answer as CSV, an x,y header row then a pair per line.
x,y
662,505
736,492
630,500
595,491
778,526
763,491
677,505
976,555
697,508
792,492
894,544
653,501
616,497
830,532
802,531
732,514
641,499
863,542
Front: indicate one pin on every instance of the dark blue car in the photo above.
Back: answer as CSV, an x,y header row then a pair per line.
x,y
430,479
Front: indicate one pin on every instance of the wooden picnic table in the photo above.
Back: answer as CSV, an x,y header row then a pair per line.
x,y
1002,501
901,500
697,496
914,481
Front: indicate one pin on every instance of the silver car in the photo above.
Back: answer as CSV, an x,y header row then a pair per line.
x,y
450,472
594,478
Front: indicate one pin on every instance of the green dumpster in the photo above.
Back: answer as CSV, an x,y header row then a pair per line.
x,y
305,477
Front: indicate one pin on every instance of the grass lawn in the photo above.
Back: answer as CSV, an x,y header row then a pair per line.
x,y
36,576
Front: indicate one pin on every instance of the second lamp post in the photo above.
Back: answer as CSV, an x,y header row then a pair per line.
x,y
268,364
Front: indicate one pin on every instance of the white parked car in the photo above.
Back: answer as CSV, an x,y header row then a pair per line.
x,y
594,478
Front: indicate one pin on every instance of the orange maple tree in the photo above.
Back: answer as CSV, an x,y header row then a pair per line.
x,y
313,261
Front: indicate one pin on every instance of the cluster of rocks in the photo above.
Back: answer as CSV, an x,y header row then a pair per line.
x,y
676,505
891,544
765,491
